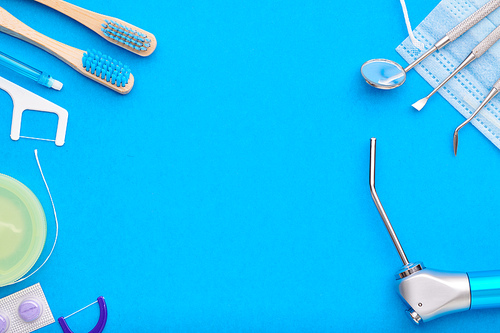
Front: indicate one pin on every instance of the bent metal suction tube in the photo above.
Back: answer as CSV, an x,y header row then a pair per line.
x,y
430,293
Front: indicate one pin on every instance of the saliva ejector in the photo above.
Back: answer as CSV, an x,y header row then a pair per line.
x,y
429,293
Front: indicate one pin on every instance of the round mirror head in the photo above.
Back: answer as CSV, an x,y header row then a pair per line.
x,y
383,73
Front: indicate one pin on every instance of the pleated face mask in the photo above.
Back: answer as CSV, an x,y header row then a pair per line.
x,y
466,90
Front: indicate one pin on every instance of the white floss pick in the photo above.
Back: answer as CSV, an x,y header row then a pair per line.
x,y
25,311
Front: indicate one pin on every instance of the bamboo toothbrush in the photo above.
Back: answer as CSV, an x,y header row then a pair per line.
x,y
114,30
94,65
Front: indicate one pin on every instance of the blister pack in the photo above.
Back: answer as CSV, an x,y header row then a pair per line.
x,y
25,311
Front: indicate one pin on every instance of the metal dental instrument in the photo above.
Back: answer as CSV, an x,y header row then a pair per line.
x,y
430,293
494,91
478,51
388,225
387,74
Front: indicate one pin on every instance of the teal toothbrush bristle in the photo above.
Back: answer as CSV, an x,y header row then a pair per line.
x,y
106,68
124,35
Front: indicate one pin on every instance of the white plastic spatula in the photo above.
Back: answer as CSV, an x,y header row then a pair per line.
x,y
26,100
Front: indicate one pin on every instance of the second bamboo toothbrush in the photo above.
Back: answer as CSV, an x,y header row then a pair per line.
x,y
116,31
94,65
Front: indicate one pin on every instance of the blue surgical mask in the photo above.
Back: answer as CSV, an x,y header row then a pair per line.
x,y
468,89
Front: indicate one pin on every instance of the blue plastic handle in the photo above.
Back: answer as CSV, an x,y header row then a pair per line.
x,y
484,289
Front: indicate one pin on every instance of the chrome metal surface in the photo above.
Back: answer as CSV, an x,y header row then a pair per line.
x,y
414,316
388,225
383,74
442,42
392,82
488,98
450,36
432,294
425,55
409,269
421,103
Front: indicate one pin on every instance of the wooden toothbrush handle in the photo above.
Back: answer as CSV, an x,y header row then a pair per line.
x,y
94,21
12,26
91,20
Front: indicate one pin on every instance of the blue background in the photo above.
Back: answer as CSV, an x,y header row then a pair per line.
x,y
228,192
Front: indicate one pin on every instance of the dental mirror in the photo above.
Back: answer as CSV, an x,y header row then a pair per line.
x,y
386,74
383,74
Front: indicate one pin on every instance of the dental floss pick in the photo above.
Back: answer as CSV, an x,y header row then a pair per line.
x,y
103,317
55,218
26,100
74,313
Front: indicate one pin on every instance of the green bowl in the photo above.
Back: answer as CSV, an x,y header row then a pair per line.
x,y
23,229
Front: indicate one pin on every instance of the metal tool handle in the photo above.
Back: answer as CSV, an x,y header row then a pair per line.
x,y
484,289
388,225
494,91
486,43
472,20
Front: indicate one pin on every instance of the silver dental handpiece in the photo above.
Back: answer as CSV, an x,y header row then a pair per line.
x,y
429,293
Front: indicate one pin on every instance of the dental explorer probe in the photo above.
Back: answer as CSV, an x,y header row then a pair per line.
x,y
387,74
478,51
430,293
494,91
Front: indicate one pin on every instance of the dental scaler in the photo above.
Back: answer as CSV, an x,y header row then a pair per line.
x,y
430,293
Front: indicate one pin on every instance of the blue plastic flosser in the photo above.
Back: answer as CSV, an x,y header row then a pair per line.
x,y
20,67
431,293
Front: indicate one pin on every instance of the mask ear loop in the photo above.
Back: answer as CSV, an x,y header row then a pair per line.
x,y
418,44
55,217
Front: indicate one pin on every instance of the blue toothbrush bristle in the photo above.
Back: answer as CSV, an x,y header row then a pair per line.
x,y
124,35
106,68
